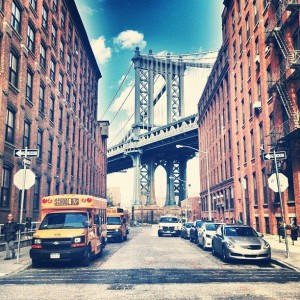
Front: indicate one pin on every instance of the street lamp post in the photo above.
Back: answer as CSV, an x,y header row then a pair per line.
x,y
207,175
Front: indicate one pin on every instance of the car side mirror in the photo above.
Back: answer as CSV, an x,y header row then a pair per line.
x,y
260,234
87,224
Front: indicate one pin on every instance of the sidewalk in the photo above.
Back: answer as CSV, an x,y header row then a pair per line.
x,y
12,266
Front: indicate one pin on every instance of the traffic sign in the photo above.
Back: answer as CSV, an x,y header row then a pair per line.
x,y
284,183
278,155
29,179
26,162
30,152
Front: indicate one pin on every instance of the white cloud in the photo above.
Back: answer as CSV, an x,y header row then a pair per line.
x,y
102,53
130,39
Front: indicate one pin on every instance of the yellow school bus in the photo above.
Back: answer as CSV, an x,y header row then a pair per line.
x,y
117,224
73,227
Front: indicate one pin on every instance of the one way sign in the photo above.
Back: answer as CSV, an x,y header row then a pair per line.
x,y
278,155
29,153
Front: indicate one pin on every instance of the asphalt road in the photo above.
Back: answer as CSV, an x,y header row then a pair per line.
x,y
151,267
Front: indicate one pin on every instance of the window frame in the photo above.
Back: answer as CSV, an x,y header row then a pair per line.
x,y
10,124
16,20
14,70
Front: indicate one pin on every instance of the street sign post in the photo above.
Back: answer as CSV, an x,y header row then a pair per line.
x,y
277,155
26,153
26,162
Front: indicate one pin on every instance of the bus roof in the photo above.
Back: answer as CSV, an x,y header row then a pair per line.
x,y
72,201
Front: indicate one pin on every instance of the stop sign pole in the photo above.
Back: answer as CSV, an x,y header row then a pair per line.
x,y
22,205
281,206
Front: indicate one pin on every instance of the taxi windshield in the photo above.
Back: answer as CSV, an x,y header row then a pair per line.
x,y
64,220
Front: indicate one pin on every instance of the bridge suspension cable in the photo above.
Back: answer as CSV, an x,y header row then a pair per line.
x,y
114,97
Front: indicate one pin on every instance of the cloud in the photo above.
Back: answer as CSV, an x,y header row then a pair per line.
x,y
130,39
102,53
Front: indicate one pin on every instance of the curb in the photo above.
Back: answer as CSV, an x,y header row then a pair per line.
x,y
284,264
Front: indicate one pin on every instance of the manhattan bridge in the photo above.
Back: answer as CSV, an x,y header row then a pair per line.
x,y
145,146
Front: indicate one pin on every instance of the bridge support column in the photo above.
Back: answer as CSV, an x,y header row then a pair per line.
x,y
151,199
136,160
170,197
184,185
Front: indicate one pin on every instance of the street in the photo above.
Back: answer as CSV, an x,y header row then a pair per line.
x,y
151,267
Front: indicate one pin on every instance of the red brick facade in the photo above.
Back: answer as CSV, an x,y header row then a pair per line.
x,y
259,112
48,98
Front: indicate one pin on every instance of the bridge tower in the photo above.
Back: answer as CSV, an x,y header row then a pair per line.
x,y
146,68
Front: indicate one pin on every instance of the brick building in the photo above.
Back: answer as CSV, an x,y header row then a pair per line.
x,y
48,98
258,113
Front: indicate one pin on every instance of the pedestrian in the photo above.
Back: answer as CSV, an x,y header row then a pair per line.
x,y
294,231
280,228
10,233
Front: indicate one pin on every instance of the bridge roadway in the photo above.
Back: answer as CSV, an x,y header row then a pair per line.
x,y
151,267
159,142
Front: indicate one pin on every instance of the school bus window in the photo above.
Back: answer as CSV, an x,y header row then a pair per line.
x,y
64,220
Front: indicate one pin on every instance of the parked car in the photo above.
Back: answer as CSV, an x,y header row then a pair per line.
x,y
240,242
169,225
185,230
206,233
194,230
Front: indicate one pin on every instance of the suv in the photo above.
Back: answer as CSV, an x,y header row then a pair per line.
x,y
169,225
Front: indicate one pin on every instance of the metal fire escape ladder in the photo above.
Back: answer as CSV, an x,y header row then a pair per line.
x,y
282,44
286,100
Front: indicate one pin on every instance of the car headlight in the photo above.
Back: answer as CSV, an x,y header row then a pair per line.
x,y
229,244
117,230
266,245
37,241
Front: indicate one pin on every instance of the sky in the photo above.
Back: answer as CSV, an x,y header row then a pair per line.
x,y
116,27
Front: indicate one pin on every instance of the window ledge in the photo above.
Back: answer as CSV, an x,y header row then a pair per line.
x,y
29,102
14,89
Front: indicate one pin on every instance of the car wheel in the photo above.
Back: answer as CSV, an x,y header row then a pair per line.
x,y
35,263
225,255
87,258
203,244
125,237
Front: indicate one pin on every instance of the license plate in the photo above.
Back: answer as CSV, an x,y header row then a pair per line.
x,y
54,255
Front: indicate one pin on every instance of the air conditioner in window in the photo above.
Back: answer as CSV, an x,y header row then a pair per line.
x,y
257,105
257,59
267,49
262,148
76,52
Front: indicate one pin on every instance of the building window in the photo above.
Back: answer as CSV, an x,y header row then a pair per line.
x,y
255,13
243,112
16,17
42,98
255,189
30,38
63,19
68,93
60,118
75,74
5,187
74,102
242,76
231,198
43,56
76,46
249,64
228,111
261,133
52,69
247,28
258,90
45,17
257,46
296,40
236,119
68,127
48,187
10,126
250,104
61,83
265,187
66,161
233,21
229,140
39,142
74,132
50,148
51,110
234,52
69,62
54,5
271,118
36,195
241,41
54,34
252,144
33,4
13,68
29,85
57,188
26,136
72,166
70,32
238,154
58,156
62,51
245,149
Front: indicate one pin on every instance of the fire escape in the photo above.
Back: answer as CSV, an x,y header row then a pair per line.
x,y
289,69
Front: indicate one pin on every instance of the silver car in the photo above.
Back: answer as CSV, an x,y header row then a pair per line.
x,y
240,242
185,230
206,234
